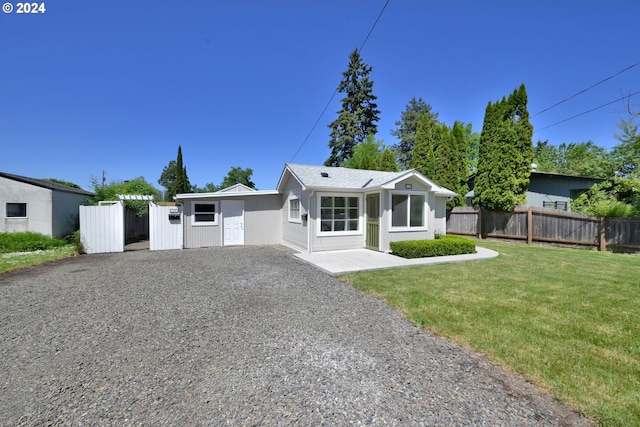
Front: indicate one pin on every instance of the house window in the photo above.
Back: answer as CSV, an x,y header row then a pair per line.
x,y
407,211
294,210
205,213
16,210
339,214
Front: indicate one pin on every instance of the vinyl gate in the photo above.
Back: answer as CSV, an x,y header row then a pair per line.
x,y
102,227
165,227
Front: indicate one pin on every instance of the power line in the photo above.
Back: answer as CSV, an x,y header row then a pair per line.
x,y
585,90
593,109
324,110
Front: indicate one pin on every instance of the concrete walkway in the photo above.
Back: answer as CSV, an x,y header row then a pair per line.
x,y
338,262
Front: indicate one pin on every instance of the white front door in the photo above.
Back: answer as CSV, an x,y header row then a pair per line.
x,y
233,222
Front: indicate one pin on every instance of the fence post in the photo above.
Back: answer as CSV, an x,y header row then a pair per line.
x,y
529,226
479,225
603,234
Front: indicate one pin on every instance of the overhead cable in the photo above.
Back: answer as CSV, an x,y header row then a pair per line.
x,y
585,90
589,111
324,110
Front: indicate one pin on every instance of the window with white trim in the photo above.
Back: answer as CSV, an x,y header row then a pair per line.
x,y
407,211
294,210
204,213
16,210
339,214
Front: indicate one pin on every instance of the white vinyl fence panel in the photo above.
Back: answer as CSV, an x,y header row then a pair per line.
x,y
165,227
102,228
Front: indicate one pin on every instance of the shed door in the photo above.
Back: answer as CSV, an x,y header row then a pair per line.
x,y
233,222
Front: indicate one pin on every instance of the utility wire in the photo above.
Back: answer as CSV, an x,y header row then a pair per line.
x,y
324,110
593,109
585,90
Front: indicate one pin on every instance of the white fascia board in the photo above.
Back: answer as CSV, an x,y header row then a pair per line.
x,y
287,168
218,195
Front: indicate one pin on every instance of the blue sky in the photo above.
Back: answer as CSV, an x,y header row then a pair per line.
x,y
117,86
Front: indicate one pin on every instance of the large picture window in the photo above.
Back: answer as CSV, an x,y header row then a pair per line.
x,y
16,210
407,211
204,213
339,214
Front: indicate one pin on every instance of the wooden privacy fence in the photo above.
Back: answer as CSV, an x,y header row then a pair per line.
x,y
135,227
547,225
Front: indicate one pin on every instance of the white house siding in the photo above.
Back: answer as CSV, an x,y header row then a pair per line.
x,y
439,214
294,234
262,220
39,207
65,212
200,236
334,242
432,221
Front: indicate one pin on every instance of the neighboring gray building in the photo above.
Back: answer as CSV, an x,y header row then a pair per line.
x,y
319,208
550,190
38,205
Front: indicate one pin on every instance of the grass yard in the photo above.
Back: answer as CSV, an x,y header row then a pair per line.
x,y
18,250
14,260
568,320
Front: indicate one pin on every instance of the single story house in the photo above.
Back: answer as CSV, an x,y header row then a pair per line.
x,y
319,208
39,205
550,190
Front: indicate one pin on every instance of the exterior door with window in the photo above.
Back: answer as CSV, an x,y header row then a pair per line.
x,y
372,237
233,222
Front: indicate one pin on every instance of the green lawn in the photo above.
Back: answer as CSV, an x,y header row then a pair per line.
x,y
14,260
568,320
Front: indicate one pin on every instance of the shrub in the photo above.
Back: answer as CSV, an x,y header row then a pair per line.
x,y
444,245
27,242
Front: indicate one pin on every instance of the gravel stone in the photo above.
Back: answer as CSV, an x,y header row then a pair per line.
x,y
234,336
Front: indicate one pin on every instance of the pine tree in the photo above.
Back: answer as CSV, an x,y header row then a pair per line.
x,y
359,112
407,128
505,154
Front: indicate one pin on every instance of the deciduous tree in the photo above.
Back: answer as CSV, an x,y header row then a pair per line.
x,y
372,155
237,175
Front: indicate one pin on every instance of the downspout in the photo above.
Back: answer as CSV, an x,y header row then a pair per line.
x,y
308,225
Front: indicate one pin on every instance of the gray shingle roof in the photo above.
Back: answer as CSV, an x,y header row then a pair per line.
x,y
343,178
45,184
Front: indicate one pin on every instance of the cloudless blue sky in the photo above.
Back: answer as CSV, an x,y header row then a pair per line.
x,y
118,85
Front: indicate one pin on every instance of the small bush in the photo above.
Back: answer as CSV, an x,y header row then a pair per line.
x,y
444,245
76,240
27,242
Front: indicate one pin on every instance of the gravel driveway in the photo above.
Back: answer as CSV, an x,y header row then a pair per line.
x,y
239,336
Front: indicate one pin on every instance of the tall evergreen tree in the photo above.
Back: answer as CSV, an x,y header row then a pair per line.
x,y
181,184
505,154
423,153
458,163
407,128
359,112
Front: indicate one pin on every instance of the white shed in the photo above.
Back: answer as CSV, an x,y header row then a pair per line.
x,y
39,205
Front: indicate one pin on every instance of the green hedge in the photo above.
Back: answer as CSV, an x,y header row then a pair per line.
x,y
27,242
445,245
